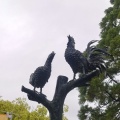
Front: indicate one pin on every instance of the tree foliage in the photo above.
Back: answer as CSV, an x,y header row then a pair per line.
x,y
20,110
101,100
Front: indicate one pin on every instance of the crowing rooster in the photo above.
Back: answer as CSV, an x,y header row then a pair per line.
x,y
75,58
42,74
80,63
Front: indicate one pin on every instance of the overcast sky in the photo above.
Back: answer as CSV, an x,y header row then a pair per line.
x,y
32,29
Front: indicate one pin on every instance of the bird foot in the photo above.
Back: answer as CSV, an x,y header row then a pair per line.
x,y
36,92
42,95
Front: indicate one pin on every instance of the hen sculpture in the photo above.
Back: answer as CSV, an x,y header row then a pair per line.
x,y
41,75
93,58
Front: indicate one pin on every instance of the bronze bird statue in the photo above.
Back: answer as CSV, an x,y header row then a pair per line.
x,y
93,58
41,75
75,58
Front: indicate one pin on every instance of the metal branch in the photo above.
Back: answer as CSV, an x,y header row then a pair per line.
x,y
36,97
63,87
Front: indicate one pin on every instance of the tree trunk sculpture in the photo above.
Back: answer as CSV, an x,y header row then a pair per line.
x,y
63,87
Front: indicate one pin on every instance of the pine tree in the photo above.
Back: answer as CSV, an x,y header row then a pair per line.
x,y
101,100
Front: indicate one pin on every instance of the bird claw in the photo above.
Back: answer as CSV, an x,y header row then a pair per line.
x,y
40,94
36,92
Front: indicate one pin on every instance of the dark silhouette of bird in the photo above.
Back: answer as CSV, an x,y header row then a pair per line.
x,y
75,58
41,75
91,59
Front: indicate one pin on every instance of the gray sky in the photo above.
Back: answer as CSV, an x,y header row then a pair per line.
x,y
30,30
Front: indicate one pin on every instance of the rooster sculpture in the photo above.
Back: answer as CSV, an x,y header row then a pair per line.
x,y
41,75
92,59
75,58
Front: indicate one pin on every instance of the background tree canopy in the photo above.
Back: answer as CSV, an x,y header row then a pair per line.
x,y
20,110
102,99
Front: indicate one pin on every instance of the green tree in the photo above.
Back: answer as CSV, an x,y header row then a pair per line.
x,y
40,113
20,110
101,100
5,106
65,109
